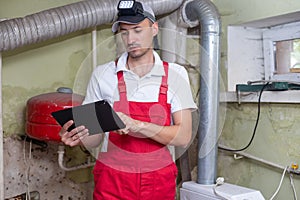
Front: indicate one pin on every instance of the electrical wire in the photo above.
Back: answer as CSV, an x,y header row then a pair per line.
x,y
27,173
219,182
293,187
280,183
256,123
250,142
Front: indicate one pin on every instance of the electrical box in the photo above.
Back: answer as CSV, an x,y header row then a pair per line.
x,y
194,191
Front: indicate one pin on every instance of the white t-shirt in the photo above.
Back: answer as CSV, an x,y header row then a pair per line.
x,y
103,84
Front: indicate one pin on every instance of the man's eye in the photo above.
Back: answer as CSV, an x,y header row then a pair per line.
x,y
124,33
138,30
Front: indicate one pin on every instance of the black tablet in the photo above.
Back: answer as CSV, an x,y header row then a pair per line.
x,y
97,117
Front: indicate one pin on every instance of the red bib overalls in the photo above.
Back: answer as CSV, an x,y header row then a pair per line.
x,y
135,167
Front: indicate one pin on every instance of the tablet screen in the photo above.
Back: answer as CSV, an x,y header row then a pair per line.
x,y
97,117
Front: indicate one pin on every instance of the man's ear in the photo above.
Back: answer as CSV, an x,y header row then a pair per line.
x,y
154,29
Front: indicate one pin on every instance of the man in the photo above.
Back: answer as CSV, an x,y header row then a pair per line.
x,y
153,99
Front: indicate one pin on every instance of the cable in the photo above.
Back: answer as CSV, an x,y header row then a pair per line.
x,y
27,173
279,186
219,182
256,123
293,186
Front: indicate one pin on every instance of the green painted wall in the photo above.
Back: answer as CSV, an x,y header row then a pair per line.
x,y
41,68
277,138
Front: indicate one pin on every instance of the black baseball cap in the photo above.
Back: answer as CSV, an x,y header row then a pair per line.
x,y
132,12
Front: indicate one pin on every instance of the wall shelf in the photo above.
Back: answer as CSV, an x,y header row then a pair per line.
x,y
289,96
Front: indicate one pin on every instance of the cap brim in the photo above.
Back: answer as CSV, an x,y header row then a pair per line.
x,y
127,20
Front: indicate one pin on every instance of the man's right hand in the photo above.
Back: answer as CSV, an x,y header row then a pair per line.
x,y
73,137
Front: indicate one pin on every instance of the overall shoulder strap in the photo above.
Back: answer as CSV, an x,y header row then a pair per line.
x,y
164,84
121,85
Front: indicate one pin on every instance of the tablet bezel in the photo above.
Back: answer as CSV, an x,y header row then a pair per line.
x,y
97,117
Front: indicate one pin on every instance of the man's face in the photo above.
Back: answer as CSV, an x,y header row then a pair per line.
x,y
138,38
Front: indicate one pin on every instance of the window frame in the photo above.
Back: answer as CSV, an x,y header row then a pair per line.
x,y
273,34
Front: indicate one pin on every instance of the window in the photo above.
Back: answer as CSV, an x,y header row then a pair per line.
x,y
282,52
262,50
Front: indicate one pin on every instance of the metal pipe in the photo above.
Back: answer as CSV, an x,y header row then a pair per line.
x,y
243,154
173,31
204,12
168,34
94,48
66,19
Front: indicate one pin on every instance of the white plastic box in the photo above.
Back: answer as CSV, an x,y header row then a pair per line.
x,y
194,191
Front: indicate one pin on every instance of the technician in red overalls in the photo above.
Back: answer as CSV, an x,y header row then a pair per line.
x,y
153,99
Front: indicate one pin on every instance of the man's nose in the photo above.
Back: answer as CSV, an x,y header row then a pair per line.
x,y
131,36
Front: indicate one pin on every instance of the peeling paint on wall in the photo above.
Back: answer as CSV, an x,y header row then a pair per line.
x,y
36,169
287,117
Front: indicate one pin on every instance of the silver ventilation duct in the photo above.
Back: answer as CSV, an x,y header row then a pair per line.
x,y
63,20
204,12
55,22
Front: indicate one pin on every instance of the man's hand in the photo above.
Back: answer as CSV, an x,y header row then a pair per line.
x,y
73,137
131,124
177,134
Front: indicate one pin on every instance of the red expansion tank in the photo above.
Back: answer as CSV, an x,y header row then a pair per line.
x,y
40,124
